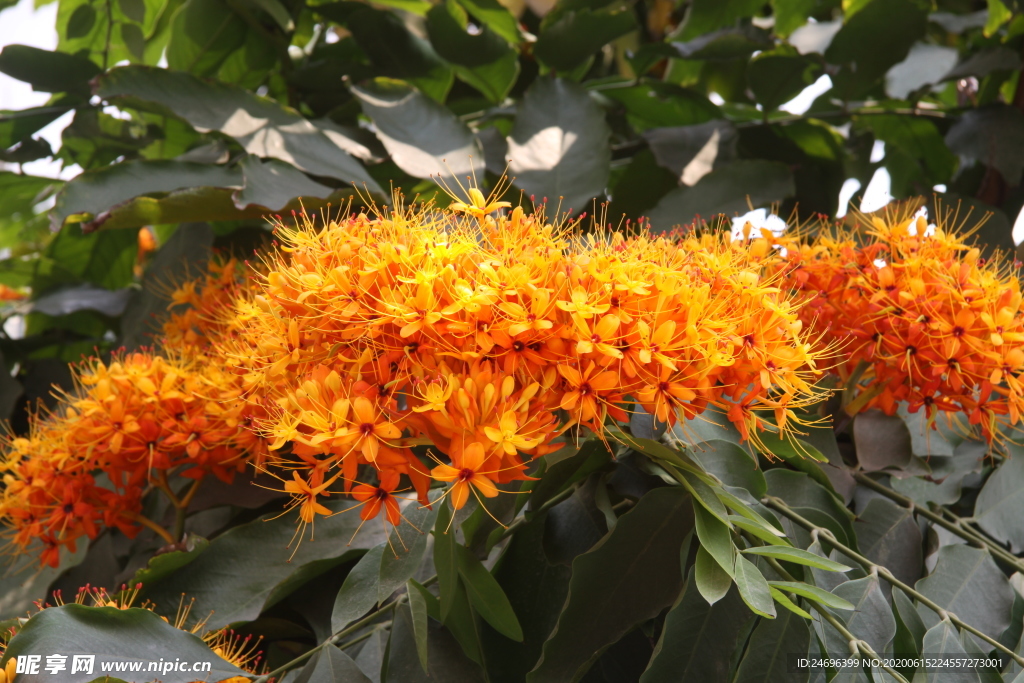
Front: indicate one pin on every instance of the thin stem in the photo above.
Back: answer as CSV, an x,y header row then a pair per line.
x,y
780,505
179,524
360,638
854,641
153,526
958,527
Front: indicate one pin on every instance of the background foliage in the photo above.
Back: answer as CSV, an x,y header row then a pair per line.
x,y
196,119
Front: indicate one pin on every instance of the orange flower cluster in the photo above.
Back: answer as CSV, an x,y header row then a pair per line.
x,y
921,317
135,420
488,335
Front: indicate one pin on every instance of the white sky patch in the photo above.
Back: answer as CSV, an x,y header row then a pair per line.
x,y
802,102
1018,228
877,152
846,193
716,99
878,193
758,218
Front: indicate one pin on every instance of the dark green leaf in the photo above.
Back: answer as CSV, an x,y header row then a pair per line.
x,y
496,17
882,441
277,11
797,556
942,640
486,595
753,588
16,126
406,550
423,138
23,582
777,76
1000,505
91,196
48,71
985,61
804,494
240,569
967,582
732,465
712,580
105,259
331,665
446,26
726,44
706,16
447,662
715,538
274,184
731,189
203,34
909,621
766,657
577,34
81,22
874,39
993,136
133,635
558,147
889,536
359,593
870,620
920,139
400,54
698,639
628,578
182,256
654,104
690,151
791,15
445,558
493,80
418,615
263,127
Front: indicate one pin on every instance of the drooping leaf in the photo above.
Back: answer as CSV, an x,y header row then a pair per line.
x,y
797,556
445,558
486,595
418,614
715,538
698,639
447,661
813,593
423,138
731,189
405,552
558,147
629,577
263,127
711,579
753,588
134,635
358,594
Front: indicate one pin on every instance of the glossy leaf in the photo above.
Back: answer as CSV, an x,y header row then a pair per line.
x,y
712,580
486,595
753,587
715,538
797,556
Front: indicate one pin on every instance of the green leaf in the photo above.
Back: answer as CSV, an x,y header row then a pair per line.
x,y
105,259
240,569
406,550
998,14
974,138
713,581
791,15
496,17
882,441
277,12
687,151
812,500
727,190
870,619
874,39
274,184
203,34
24,582
591,456
48,71
777,76
330,665
944,641
446,26
698,640
486,595
967,582
889,536
577,34
764,531
706,496
418,613
706,16
359,593
813,593
797,556
726,44
263,127
781,598
909,624
626,579
558,147
1000,505
16,126
134,635
766,656
447,662
399,54
165,564
90,196
654,104
424,138
445,558
493,80
463,624
715,538
753,588
731,464
919,138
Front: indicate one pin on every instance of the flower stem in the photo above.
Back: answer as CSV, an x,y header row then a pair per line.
x,y
156,528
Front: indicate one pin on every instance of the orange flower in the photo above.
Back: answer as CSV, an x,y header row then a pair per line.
x,y
466,473
380,497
